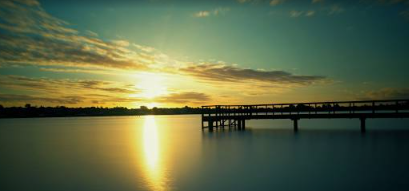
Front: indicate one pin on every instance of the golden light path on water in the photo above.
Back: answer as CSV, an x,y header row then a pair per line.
x,y
154,171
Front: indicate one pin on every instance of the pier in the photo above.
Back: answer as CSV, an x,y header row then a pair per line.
x,y
235,116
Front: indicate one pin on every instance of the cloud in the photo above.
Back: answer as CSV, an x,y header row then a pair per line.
x,y
310,13
244,1
78,70
386,93
49,41
228,73
332,10
335,9
386,2
202,14
121,43
221,10
184,97
276,2
144,48
317,1
295,13
46,91
64,86
270,2
215,12
91,33
17,98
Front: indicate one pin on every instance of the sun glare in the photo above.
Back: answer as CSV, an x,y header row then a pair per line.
x,y
152,85
155,175
151,145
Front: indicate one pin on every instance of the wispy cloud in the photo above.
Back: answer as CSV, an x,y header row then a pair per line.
x,y
270,2
59,86
295,13
245,1
78,70
18,98
228,73
332,10
385,2
310,13
317,1
46,91
91,33
202,14
215,12
185,97
385,93
335,9
276,2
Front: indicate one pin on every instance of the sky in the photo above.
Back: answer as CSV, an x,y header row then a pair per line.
x,y
175,53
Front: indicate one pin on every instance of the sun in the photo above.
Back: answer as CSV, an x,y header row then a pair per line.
x,y
151,85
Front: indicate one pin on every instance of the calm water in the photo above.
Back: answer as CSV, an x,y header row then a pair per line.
x,y
172,153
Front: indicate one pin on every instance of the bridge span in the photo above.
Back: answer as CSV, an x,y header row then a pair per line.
x,y
235,116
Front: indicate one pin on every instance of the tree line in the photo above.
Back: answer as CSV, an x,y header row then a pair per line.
x,y
62,111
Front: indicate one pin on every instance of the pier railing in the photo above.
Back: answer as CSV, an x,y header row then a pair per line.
x,y
341,107
236,115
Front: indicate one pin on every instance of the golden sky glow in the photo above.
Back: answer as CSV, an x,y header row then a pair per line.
x,y
173,56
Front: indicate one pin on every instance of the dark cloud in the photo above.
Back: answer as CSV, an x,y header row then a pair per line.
x,y
15,98
60,86
220,72
109,99
184,97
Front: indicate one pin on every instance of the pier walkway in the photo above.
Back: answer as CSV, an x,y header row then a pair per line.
x,y
235,116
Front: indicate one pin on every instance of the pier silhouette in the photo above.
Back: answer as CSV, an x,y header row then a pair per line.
x,y
221,116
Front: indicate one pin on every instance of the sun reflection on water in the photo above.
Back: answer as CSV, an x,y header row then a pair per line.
x,y
153,170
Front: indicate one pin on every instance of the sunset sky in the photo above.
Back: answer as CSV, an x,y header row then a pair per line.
x,y
172,53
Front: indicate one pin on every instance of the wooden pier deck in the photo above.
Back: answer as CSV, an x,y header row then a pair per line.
x,y
235,116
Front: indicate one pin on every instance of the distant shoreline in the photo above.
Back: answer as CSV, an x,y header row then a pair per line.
x,y
61,111
1,117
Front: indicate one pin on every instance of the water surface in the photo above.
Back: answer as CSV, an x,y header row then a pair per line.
x,y
172,153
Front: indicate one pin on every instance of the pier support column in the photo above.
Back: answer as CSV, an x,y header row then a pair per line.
x,y
243,124
239,124
363,124
295,124
210,125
